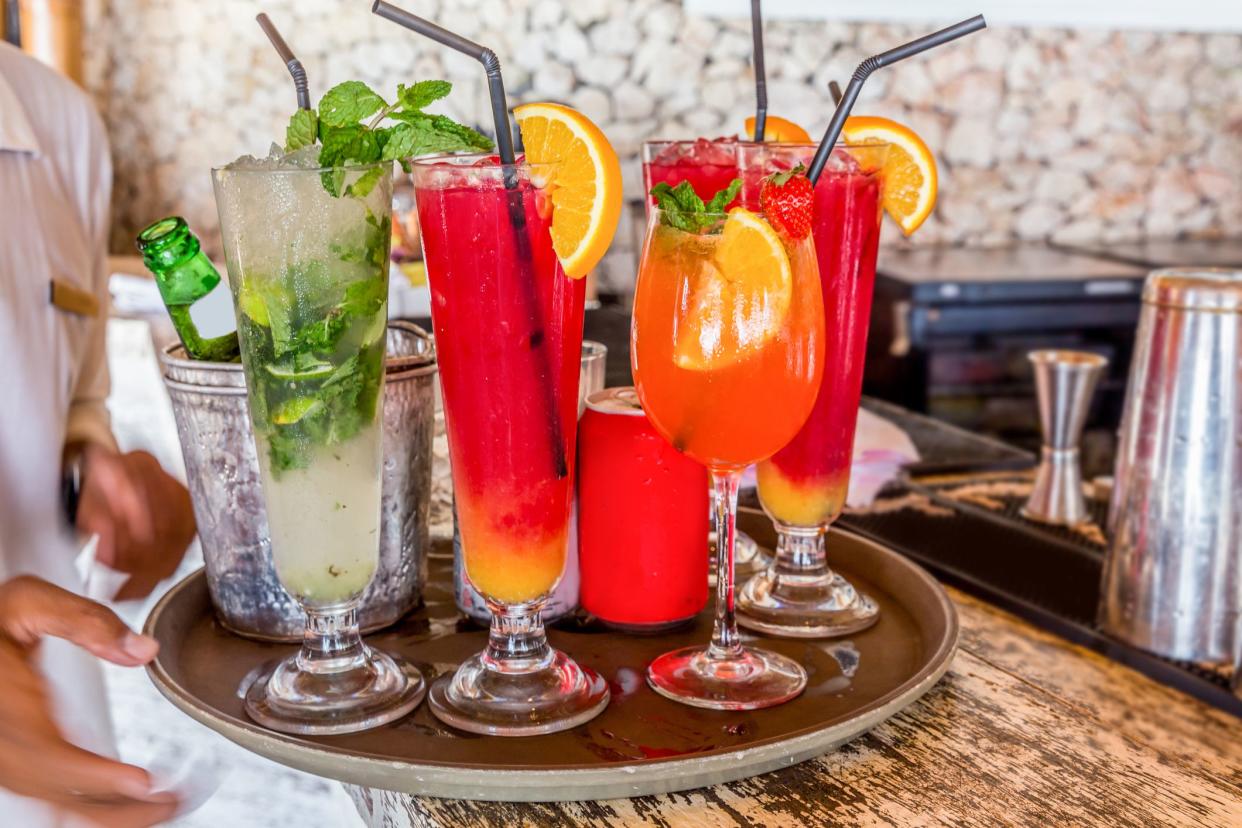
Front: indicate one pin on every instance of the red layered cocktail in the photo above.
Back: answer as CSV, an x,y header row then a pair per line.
x,y
803,486
508,326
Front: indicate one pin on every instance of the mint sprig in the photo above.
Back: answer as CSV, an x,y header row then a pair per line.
x,y
345,139
681,207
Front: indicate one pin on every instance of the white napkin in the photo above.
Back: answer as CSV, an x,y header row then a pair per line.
x,y
880,450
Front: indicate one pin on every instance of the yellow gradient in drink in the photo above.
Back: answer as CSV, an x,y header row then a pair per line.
x,y
728,338
802,502
509,559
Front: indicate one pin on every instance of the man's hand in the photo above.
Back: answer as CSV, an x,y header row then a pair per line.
x,y
142,515
35,759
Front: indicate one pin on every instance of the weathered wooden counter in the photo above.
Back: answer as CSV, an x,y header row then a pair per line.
x,y
1025,729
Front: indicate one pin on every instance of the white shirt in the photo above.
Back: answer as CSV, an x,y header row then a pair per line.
x,y
55,188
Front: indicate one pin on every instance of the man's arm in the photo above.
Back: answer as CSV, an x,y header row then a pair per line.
x,y
142,515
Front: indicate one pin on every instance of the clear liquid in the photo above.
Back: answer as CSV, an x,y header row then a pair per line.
x,y
324,519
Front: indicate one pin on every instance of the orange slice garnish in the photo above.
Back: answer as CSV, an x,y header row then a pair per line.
x,y
739,298
909,168
776,128
586,188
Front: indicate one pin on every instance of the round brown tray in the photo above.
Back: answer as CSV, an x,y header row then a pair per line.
x,y
642,744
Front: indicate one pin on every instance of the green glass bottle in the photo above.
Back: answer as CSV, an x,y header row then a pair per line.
x,y
198,300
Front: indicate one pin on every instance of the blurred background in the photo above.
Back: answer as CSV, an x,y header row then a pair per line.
x,y
1041,133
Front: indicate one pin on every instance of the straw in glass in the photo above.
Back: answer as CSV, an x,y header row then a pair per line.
x,y
761,79
879,61
294,65
517,211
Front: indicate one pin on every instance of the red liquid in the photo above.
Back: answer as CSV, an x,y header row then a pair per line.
x,y
508,353
805,483
642,520
709,166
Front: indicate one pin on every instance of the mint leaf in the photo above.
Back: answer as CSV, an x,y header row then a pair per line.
x,y
349,144
722,199
302,131
348,103
346,140
473,139
681,207
365,183
422,93
682,198
418,133
333,180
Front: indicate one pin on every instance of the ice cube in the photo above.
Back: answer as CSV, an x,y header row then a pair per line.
x,y
278,159
719,151
843,161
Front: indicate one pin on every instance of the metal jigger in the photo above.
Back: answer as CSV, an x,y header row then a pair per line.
x,y
1064,383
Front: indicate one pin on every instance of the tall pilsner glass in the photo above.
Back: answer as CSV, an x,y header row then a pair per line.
x,y
508,325
727,354
309,275
803,486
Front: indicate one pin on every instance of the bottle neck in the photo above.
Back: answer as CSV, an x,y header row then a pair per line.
x,y
167,244
173,255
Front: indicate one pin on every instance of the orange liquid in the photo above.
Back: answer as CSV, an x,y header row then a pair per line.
x,y
751,399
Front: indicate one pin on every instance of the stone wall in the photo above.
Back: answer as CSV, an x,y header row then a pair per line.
x,y
1074,135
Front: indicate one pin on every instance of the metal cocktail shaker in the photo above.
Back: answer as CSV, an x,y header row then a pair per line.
x,y
1173,576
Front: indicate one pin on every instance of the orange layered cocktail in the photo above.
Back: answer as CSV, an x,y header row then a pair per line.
x,y
727,356
746,327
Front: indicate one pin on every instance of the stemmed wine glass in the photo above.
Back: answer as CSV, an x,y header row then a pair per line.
x,y
727,356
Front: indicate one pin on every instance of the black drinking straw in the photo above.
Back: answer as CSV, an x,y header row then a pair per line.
x,y
835,89
484,55
517,210
761,77
291,63
864,71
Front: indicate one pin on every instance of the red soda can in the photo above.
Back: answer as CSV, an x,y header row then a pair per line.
x,y
642,519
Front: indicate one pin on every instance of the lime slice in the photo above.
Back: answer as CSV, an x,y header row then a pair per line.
x,y
296,410
253,306
313,371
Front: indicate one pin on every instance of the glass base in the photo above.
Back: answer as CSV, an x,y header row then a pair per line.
x,y
804,605
556,696
379,689
751,680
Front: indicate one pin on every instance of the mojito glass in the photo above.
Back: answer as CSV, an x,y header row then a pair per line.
x,y
508,325
309,275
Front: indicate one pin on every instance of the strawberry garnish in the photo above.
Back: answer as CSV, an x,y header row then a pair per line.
x,y
786,199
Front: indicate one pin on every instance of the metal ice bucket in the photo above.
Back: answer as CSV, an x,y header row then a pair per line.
x,y
1173,575
222,470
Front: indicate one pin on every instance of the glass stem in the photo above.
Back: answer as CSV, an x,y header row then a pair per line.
x,y
516,640
726,644
800,551
332,642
